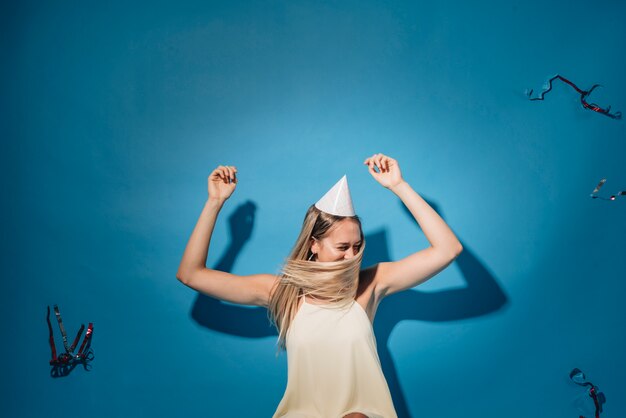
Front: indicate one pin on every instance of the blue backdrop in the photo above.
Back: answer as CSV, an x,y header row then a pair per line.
x,y
115,113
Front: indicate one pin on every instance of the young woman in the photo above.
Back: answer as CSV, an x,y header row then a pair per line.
x,y
322,304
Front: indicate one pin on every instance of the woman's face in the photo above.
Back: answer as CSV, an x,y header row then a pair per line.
x,y
340,243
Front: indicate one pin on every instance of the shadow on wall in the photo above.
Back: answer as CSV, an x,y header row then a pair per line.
x,y
481,296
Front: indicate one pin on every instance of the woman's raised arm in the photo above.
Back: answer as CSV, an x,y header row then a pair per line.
x,y
192,271
395,276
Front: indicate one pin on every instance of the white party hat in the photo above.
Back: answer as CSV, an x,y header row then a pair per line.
x,y
337,200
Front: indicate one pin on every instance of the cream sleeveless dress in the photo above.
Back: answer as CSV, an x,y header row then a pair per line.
x,y
333,365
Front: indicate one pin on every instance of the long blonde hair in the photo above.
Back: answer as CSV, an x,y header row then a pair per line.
x,y
334,281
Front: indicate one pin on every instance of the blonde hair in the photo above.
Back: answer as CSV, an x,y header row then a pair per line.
x,y
334,281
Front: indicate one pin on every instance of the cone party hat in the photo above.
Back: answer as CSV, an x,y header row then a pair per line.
x,y
337,200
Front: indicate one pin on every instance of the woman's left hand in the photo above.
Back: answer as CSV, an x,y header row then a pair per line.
x,y
388,174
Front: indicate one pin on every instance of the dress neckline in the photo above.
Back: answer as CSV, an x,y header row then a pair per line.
x,y
354,302
321,305
314,304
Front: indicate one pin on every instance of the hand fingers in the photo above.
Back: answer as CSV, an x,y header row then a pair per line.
x,y
227,174
233,173
371,163
224,172
370,167
377,158
381,161
216,174
229,170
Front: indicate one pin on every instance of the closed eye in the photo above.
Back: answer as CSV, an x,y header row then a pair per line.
x,y
357,247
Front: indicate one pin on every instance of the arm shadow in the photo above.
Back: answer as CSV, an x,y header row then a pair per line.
x,y
481,296
233,319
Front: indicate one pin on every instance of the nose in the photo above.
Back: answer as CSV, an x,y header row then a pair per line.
x,y
349,254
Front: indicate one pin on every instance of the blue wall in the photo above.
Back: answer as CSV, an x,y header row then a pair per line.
x,y
115,113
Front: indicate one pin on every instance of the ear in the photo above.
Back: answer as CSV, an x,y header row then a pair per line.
x,y
315,246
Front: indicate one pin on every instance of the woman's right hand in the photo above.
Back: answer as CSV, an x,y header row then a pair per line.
x,y
222,182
